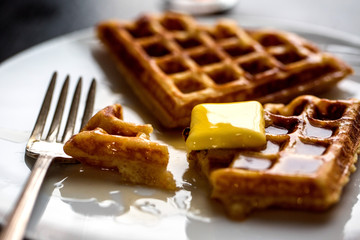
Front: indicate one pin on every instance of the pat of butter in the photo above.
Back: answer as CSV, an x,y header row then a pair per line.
x,y
227,125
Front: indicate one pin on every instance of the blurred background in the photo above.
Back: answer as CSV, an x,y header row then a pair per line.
x,y
26,23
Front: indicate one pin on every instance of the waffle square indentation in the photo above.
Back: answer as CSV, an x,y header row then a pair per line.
x,y
237,50
188,42
256,66
172,65
189,84
289,57
156,49
173,23
223,75
205,58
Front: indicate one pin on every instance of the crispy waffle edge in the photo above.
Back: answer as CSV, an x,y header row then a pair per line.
x,y
108,142
173,109
244,190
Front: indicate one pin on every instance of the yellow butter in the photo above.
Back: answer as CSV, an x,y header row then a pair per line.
x,y
227,125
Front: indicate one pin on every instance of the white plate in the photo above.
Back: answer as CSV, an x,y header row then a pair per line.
x,y
78,202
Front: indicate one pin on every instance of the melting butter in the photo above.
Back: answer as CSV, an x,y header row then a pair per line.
x,y
227,125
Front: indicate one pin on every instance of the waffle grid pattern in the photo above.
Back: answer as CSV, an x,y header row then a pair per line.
x,y
311,150
190,63
300,137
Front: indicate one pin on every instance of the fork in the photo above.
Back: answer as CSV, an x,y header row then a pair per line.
x,y
45,150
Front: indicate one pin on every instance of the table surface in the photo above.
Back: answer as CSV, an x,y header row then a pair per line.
x,y
26,23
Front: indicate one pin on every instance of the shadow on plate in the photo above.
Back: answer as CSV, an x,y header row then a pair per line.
x,y
118,85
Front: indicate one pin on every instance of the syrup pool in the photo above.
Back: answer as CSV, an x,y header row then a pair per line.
x,y
309,149
276,130
87,190
294,164
312,131
271,148
252,163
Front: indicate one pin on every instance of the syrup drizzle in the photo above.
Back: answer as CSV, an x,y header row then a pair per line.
x,y
276,130
271,148
252,163
309,149
312,131
294,164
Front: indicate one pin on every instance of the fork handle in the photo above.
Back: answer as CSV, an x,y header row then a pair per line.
x,y
20,216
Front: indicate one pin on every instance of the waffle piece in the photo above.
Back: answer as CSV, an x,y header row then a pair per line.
x,y
107,141
311,150
173,63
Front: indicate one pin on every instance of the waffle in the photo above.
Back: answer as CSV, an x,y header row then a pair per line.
x,y
311,150
173,63
107,141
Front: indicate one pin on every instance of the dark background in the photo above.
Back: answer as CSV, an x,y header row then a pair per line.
x,y
25,23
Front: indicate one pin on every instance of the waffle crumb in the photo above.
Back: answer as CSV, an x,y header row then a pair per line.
x,y
107,141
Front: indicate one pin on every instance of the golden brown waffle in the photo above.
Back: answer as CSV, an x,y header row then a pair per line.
x,y
173,63
311,149
108,142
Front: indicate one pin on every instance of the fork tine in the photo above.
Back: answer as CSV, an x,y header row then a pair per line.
x,y
89,107
70,124
44,111
45,153
55,124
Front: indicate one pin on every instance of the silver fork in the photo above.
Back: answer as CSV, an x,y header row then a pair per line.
x,y
46,149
